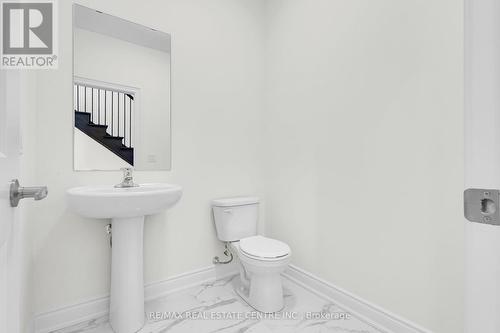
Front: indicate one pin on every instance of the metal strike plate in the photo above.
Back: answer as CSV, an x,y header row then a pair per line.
x,y
481,206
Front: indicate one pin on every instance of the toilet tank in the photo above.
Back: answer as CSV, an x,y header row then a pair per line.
x,y
236,218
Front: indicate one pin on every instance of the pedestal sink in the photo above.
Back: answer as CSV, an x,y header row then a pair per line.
x,y
126,207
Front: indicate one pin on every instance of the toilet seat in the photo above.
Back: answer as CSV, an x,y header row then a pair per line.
x,y
263,248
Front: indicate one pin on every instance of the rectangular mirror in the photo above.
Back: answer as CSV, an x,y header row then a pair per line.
x,y
121,93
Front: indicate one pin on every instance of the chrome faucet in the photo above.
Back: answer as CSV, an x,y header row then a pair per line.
x,y
128,179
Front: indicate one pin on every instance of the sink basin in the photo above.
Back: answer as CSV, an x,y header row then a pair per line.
x,y
126,207
102,202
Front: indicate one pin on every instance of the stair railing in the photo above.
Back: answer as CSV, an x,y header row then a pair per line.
x,y
108,107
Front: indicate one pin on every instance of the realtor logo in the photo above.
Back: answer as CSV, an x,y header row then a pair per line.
x,y
28,31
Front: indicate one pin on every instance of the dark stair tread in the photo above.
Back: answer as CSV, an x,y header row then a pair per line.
x,y
113,137
96,125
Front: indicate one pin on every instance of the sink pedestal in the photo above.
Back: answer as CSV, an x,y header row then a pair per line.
x,y
127,277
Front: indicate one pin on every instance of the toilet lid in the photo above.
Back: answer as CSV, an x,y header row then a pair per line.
x,y
263,247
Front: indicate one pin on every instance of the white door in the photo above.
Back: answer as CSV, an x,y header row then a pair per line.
x,y
482,162
10,144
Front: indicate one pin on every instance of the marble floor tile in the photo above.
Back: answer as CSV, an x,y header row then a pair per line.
x,y
216,307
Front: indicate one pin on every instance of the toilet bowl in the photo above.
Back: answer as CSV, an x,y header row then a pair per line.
x,y
261,262
261,259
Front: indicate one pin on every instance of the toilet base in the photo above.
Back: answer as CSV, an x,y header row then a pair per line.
x,y
264,294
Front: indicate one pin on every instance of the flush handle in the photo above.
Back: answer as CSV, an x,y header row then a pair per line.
x,y
17,193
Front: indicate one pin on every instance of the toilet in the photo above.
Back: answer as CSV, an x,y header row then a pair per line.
x,y
261,259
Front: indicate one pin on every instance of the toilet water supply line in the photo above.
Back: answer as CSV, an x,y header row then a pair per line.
x,y
245,281
227,253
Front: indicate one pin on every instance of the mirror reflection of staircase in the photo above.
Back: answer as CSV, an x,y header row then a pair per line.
x,y
106,116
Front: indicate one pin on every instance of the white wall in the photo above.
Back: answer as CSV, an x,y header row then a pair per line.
x,y
216,116
365,149
107,59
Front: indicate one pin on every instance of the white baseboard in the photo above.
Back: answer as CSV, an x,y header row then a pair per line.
x,y
99,307
359,307
71,315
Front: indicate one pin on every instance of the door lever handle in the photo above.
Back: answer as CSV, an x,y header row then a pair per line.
x,y
17,193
